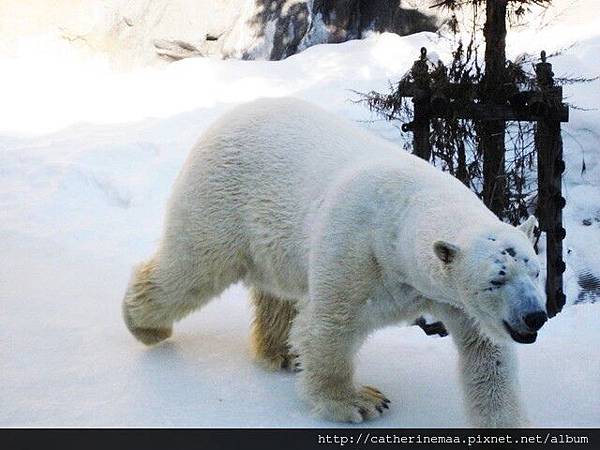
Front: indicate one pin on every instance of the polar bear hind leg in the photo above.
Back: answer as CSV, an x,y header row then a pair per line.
x,y
171,285
141,311
273,319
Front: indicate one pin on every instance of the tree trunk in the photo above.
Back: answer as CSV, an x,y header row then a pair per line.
x,y
492,136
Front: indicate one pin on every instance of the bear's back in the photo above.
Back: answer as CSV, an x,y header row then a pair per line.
x,y
286,146
265,165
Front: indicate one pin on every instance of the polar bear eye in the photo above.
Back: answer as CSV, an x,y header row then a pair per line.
x,y
537,275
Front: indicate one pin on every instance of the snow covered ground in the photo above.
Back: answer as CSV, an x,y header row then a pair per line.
x,y
87,158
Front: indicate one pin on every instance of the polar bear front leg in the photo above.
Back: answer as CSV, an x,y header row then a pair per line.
x,y
488,373
327,338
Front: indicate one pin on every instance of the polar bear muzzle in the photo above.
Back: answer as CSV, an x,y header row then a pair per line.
x,y
521,338
533,321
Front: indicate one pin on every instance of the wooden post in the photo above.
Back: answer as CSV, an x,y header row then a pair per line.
x,y
421,101
422,145
492,131
548,142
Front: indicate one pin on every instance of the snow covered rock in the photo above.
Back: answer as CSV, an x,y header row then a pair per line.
x,y
135,32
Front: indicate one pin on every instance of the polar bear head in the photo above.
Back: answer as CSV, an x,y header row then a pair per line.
x,y
496,277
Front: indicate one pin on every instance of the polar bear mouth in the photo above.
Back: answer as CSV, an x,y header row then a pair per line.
x,y
521,338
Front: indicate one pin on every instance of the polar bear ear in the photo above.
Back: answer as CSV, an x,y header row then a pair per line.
x,y
445,251
528,227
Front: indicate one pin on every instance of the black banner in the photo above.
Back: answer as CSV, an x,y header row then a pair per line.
x,y
284,439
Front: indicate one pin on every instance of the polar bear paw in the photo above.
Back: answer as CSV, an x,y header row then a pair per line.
x,y
366,403
288,362
146,335
292,363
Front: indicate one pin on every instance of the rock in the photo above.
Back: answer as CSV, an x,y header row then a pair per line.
x,y
141,32
176,50
589,285
277,29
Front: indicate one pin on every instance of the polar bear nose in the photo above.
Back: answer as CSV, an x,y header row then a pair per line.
x,y
535,320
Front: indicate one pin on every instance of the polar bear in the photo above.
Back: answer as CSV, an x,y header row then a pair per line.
x,y
338,233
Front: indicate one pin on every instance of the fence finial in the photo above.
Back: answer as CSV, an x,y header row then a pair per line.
x,y
420,70
543,71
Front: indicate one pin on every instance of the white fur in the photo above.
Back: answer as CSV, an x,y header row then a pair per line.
x,y
304,206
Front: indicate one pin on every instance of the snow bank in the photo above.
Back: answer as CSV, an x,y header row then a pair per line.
x,y
87,158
